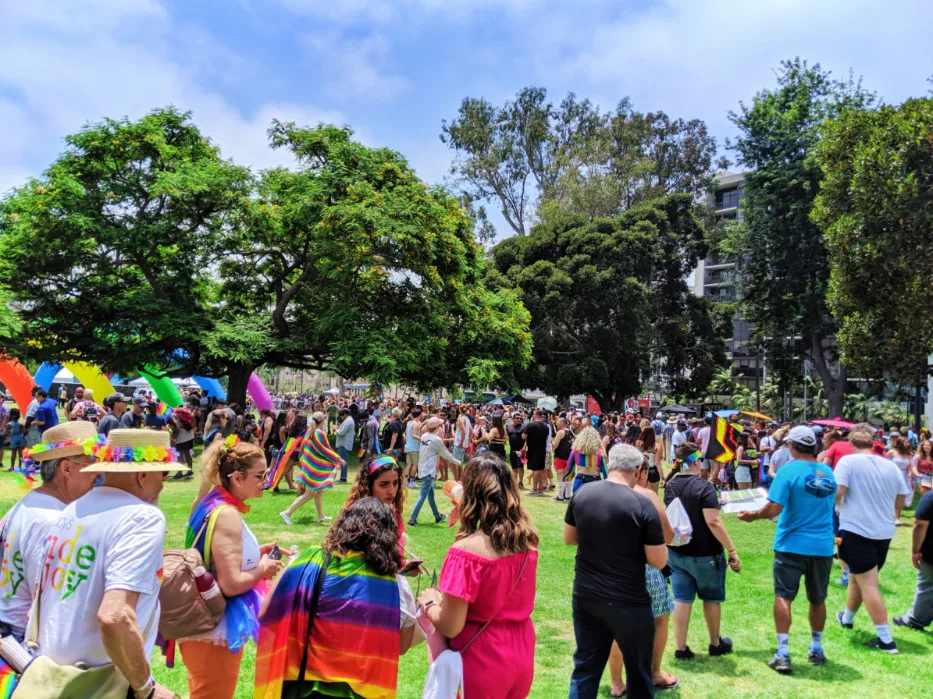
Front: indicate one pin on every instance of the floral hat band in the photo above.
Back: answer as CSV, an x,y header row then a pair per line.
x,y
136,451
76,438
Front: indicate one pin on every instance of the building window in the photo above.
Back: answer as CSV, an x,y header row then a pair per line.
x,y
728,198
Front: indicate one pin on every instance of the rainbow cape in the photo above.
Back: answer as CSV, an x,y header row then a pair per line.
x,y
585,461
7,680
318,462
281,461
241,615
354,647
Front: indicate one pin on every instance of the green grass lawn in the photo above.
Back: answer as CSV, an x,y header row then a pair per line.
x,y
852,670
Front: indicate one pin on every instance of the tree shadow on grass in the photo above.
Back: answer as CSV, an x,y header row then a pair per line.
x,y
723,665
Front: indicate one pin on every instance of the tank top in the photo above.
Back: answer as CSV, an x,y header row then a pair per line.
x,y
566,444
902,462
925,466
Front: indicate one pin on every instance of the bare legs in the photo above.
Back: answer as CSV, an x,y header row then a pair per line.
x,y
304,498
661,625
711,613
864,588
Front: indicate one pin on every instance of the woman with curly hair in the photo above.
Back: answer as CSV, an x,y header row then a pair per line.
x,y
488,585
339,617
381,478
587,462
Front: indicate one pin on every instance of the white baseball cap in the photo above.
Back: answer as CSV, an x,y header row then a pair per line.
x,y
801,434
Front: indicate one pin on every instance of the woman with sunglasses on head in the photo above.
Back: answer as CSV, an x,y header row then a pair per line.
x,y
238,563
316,469
488,585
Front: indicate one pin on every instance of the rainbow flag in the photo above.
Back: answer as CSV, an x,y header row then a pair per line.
x,y
7,680
318,462
354,646
281,461
163,410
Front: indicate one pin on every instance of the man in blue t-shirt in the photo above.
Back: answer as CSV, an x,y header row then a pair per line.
x,y
803,493
47,412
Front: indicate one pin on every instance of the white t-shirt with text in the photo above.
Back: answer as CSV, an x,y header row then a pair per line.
x,y
106,540
874,483
24,530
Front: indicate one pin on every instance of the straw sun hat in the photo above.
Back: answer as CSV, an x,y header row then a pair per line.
x,y
136,451
77,438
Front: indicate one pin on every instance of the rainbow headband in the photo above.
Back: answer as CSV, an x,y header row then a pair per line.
x,y
91,445
112,454
376,464
688,460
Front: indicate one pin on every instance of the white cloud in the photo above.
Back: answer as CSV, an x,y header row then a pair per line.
x,y
62,81
357,12
355,66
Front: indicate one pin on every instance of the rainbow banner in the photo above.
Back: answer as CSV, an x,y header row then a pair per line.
x,y
7,680
342,661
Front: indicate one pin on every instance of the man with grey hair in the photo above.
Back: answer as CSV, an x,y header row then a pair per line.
x,y
24,528
616,532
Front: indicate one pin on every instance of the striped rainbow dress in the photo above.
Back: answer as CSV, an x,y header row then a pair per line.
x,y
354,647
318,462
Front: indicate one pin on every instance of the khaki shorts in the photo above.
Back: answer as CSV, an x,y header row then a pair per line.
x,y
412,457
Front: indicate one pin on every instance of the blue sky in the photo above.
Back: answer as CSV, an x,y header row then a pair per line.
x,y
393,69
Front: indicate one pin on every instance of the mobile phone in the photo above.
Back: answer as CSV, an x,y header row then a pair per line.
x,y
275,554
411,567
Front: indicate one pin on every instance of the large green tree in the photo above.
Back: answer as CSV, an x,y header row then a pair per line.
x,y
876,204
107,255
352,264
780,250
608,300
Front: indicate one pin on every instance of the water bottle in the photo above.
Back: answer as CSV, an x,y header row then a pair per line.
x,y
205,583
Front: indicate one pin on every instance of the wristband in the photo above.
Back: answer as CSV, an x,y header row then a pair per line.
x,y
427,605
147,689
730,550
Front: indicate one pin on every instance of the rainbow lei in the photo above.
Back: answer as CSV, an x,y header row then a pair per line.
x,y
112,454
91,445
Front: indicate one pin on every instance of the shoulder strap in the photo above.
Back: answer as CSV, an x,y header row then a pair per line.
x,y
209,523
492,618
312,612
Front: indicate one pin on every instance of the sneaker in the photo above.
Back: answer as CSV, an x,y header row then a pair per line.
x,y
816,657
552,487
521,486
781,664
877,644
286,518
901,621
178,476
558,499
189,475
323,519
839,617
898,523
413,485
412,523
844,581
685,654
341,480
442,518
724,647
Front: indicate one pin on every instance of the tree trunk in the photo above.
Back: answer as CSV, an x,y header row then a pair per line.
x,y
238,374
834,386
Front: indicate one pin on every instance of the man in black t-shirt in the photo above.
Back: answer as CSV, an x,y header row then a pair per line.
x,y
536,434
698,568
921,614
393,435
616,532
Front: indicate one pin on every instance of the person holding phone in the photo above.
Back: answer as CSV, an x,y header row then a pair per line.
x,y
699,567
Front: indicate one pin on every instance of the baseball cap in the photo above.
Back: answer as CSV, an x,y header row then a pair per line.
x,y
801,434
140,400
114,398
658,416
681,423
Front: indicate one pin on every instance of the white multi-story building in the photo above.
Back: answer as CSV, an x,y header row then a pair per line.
x,y
714,278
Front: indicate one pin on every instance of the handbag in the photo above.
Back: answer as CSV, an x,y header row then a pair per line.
x,y
43,678
445,676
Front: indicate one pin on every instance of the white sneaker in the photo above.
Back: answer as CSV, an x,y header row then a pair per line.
x,y
286,518
323,519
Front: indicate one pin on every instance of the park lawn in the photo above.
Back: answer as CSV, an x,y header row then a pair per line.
x,y
852,670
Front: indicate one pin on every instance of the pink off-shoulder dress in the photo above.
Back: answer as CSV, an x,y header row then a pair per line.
x,y
500,664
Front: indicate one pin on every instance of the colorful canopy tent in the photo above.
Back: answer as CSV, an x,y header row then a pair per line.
x,y
212,386
165,390
757,416
18,381
258,391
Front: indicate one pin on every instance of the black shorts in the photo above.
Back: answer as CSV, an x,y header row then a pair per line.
x,y
862,554
788,569
515,461
654,475
185,446
536,461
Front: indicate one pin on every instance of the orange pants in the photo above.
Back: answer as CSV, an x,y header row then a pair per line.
x,y
212,670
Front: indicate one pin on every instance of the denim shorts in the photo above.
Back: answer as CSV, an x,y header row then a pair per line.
x,y
698,576
459,453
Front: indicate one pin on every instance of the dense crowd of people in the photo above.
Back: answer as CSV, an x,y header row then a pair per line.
x,y
87,545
